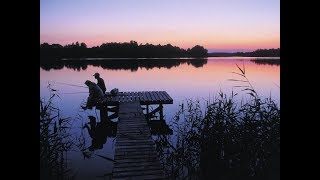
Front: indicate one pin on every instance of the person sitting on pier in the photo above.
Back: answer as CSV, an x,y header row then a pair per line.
x,y
100,82
95,95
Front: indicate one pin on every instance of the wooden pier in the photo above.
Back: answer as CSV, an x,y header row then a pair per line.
x,y
135,153
146,98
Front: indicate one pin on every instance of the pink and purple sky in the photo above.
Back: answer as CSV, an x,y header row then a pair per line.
x,y
218,25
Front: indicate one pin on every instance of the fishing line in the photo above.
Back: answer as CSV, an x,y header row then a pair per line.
x,y
73,92
69,84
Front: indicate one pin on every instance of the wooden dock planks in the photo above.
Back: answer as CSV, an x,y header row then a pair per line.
x,y
135,154
145,97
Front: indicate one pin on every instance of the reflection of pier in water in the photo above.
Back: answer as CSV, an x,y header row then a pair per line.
x,y
135,153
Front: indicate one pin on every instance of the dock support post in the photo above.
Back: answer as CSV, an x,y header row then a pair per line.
x,y
161,111
104,113
147,108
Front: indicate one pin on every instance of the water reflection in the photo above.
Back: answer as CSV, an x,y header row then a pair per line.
x,y
134,64
122,64
267,61
100,131
159,127
183,82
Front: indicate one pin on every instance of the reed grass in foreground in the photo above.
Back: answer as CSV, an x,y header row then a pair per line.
x,y
54,142
229,140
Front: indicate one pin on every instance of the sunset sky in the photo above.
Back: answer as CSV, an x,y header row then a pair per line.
x,y
218,25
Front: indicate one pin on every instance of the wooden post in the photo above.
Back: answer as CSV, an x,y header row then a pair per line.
x,y
103,113
161,112
147,107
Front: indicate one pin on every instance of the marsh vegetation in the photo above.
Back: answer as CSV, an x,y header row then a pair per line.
x,y
55,141
228,140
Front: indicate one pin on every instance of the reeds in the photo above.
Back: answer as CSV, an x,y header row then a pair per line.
x,y
229,140
54,141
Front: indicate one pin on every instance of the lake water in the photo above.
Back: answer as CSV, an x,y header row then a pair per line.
x,y
187,79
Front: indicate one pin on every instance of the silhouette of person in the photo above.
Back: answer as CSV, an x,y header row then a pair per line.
x,y
100,82
95,95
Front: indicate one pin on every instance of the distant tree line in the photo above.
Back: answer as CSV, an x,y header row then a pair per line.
x,y
256,53
261,53
125,50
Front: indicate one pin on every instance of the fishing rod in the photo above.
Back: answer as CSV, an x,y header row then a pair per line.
x,y
74,92
69,84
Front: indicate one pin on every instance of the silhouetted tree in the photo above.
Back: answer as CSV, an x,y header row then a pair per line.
x,y
198,51
44,45
83,45
56,46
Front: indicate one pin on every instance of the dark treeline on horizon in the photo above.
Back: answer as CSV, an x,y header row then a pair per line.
x,y
118,50
261,53
256,53
122,64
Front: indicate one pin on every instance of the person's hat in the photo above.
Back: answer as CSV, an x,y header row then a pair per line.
x,y
87,82
96,74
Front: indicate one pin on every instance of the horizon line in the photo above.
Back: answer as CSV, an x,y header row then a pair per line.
x,y
210,50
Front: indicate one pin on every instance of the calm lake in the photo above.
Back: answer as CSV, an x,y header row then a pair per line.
x,y
184,79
